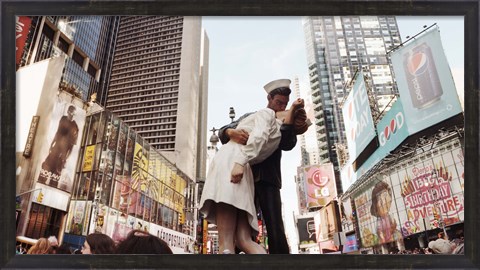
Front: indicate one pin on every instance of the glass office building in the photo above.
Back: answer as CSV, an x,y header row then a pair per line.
x,y
123,183
338,47
87,41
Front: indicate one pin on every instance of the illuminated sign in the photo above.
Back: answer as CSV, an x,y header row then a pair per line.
x,y
31,136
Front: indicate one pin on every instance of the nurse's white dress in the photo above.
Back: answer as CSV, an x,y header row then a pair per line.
x,y
264,137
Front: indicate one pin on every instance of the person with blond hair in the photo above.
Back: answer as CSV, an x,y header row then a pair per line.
x,y
41,247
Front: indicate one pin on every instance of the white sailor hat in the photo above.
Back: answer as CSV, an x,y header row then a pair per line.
x,y
269,87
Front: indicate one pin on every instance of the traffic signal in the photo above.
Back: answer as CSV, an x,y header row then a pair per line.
x,y
181,218
40,197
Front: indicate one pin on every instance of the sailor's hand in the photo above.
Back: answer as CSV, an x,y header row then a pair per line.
x,y
237,173
239,136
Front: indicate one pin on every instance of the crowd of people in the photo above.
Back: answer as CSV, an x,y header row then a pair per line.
x,y
441,245
136,242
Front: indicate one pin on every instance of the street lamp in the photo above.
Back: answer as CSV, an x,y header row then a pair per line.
x,y
231,114
214,138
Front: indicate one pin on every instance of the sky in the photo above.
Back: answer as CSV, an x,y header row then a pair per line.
x,y
248,52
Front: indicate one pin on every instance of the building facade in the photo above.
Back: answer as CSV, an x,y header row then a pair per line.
x,y
83,170
411,186
338,47
88,42
158,85
122,183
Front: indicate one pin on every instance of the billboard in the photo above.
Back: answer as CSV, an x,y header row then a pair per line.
x,y
326,223
302,195
306,231
346,214
425,82
392,130
376,215
417,196
357,116
60,146
320,185
351,244
22,27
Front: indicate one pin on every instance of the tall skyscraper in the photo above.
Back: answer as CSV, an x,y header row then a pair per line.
x,y
337,47
308,140
158,85
87,41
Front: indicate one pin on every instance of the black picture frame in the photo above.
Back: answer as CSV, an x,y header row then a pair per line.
x,y
467,8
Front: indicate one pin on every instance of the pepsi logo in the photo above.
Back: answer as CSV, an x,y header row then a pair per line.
x,y
417,63
390,129
395,124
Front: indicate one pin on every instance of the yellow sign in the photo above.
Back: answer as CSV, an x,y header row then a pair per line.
x,y
88,158
40,197
31,136
140,168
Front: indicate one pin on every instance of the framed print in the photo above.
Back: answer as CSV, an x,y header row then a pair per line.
x,y
116,162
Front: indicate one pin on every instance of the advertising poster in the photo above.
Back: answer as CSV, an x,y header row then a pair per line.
x,y
348,175
60,155
392,130
154,188
320,184
425,82
22,27
168,196
110,221
357,116
88,158
351,244
120,231
140,168
112,139
301,194
306,231
77,214
346,215
432,194
377,217
327,226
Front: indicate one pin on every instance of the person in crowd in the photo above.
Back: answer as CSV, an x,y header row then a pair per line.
x,y
142,242
441,245
98,243
53,243
228,196
63,249
41,247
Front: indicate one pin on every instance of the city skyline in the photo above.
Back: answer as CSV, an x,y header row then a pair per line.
x,y
285,53
248,52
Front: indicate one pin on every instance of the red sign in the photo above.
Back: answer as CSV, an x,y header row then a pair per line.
x,y
22,26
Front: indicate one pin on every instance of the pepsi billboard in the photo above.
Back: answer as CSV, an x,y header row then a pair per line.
x,y
392,130
359,127
425,82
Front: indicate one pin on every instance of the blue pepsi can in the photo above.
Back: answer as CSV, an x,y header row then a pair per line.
x,y
422,76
